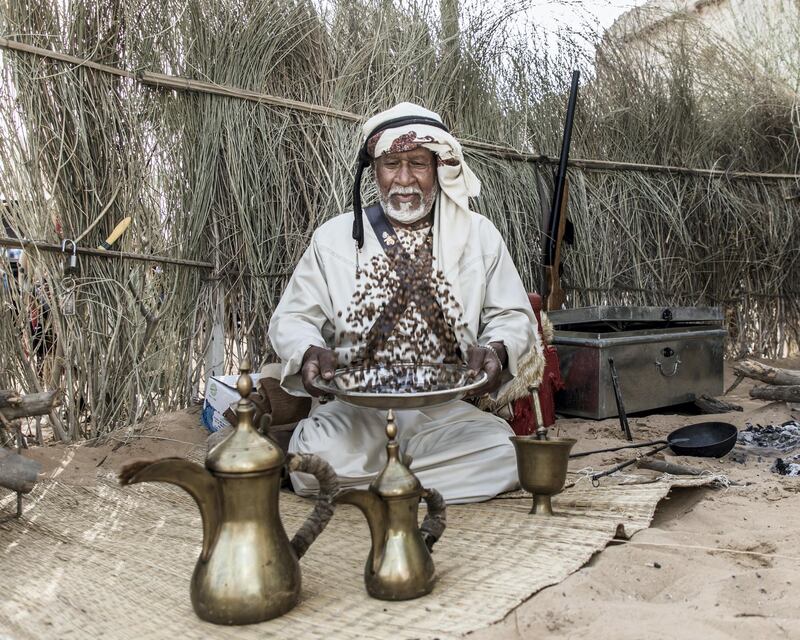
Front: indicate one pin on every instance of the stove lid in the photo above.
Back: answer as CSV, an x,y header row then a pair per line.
x,y
659,316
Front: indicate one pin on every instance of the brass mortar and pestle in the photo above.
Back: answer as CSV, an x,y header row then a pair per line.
x,y
542,461
248,570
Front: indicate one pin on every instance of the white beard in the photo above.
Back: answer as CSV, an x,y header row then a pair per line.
x,y
405,214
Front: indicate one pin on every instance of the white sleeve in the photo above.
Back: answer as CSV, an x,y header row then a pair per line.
x,y
302,318
507,315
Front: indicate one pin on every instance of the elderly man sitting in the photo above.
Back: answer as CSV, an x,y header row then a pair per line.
x,y
424,186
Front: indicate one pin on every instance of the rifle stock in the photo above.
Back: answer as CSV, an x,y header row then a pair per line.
x,y
555,294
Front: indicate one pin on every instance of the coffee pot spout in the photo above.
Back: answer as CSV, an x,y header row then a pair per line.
x,y
190,477
374,510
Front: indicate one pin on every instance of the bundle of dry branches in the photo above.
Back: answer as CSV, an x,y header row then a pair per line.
x,y
243,184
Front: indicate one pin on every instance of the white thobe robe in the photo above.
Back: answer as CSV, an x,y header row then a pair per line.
x,y
456,448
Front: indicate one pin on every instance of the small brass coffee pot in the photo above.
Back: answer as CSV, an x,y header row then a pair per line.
x,y
399,566
248,571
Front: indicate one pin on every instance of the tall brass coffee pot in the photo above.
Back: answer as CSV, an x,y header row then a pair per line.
x,y
248,571
399,566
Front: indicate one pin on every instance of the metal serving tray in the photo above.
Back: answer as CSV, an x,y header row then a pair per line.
x,y
402,386
663,356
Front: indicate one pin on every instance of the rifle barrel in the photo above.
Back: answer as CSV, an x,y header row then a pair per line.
x,y
561,176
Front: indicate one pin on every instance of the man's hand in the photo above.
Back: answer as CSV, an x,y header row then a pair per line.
x,y
317,362
492,361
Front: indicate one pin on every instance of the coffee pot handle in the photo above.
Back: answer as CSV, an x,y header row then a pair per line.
x,y
435,521
323,509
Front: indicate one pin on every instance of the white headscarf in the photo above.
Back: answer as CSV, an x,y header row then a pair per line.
x,y
457,182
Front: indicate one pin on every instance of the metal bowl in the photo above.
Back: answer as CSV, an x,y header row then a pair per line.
x,y
401,386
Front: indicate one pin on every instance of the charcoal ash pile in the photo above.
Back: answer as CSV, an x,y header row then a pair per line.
x,y
784,438
787,466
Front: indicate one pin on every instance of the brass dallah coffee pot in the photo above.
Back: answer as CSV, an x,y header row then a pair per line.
x,y
248,571
399,566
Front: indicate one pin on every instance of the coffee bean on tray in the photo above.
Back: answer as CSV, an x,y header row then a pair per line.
x,y
409,316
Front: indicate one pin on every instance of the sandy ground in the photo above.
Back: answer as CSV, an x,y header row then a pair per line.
x,y
169,434
685,577
673,580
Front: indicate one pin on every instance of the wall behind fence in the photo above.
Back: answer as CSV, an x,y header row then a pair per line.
x,y
241,183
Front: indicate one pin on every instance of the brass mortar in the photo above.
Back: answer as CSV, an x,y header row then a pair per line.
x,y
542,468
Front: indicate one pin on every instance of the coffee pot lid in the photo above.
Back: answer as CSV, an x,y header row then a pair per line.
x,y
395,480
245,450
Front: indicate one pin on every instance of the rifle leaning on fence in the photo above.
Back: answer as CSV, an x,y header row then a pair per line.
x,y
557,226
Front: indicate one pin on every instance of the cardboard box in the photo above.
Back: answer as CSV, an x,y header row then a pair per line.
x,y
220,394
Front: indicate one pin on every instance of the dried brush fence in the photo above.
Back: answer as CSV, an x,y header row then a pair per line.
x,y
228,132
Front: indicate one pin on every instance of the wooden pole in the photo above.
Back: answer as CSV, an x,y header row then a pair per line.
x,y
787,393
215,352
32,404
9,398
18,473
766,373
13,45
592,164
187,84
707,404
103,253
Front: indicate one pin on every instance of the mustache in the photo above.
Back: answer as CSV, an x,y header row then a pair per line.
x,y
405,191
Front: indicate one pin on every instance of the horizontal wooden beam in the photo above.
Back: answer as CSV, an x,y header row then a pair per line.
x,y
766,373
102,253
590,164
787,393
32,404
13,45
179,83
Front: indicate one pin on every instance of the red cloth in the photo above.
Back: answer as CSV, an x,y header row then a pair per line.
x,y
524,421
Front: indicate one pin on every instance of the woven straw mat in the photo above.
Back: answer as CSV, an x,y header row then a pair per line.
x,y
113,562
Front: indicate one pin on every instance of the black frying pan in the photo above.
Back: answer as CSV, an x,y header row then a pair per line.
x,y
701,440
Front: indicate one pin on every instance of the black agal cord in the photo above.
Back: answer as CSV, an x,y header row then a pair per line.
x,y
364,160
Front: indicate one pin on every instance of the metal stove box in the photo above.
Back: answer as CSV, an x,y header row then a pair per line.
x,y
663,356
